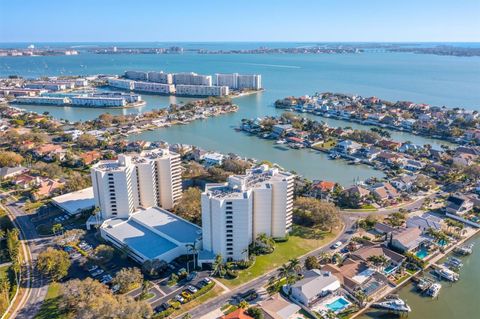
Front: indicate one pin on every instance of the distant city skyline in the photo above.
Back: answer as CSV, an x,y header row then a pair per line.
x,y
246,21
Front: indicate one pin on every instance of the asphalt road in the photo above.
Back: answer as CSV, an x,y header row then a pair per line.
x,y
38,284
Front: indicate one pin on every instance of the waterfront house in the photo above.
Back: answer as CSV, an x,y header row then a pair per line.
x,y
347,147
411,165
212,159
408,124
458,205
314,285
394,260
389,145
356,275
410,148
281,129
388,158
358,190
406,239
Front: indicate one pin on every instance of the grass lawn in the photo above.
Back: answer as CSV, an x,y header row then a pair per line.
x,y
301,241
50,308
147,296
214,292
31,207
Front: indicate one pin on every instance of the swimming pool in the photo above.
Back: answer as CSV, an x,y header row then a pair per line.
x,y
422,253
338,305
389,269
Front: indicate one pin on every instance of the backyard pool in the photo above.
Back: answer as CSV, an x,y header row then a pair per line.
x,y
338,305
422,253
389,269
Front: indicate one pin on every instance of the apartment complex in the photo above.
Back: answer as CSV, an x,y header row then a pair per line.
x,y
148,179
201,90
236,212
237,81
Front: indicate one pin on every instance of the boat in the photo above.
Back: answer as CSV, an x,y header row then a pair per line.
x,y
281,142
434,290
464,250
423,284
447,274
453,262
333,155
395,305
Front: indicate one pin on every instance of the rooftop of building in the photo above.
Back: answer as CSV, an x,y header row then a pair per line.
x,y
137,237
167,223
75,202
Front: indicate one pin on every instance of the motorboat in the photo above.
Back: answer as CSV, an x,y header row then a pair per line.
x,y
395,305
447,274
434,290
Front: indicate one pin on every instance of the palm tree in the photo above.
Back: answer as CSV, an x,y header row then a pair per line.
x,y
192,248
243,304
295,265
146,286
283,271
378,261
57,229
218,265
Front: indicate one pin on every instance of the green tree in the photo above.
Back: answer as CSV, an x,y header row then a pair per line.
x,y
103,254
255,313
10,159
189,206
311,262
54,263
128,279
87,141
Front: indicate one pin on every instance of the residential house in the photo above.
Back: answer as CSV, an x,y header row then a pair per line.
x,y
383,229
394,260
212,159
356,275
359,190
10,172
281,129
25,181
406,239
425,222
46,188
411,165
388,158
90,157
384,191
314,285
277,307
464,159
458,205
347,147
50,152
389,145
322,189
237,314
404,183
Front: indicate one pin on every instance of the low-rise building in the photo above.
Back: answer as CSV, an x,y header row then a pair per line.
x,y
314,285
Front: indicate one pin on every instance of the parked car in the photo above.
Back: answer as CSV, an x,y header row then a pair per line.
x,y
97,272
115,288
92,268
192,289
179,298
106,279
192,275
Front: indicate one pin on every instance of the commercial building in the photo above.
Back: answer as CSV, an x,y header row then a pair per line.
x,y
236,212
160,77
201,90
121,84
190,78
237,81
153,87
137,75
152,233
149,179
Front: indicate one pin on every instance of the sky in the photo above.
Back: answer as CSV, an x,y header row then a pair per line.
x,y
240,20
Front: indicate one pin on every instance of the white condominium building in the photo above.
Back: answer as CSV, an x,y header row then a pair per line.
x,y
236,212
137,75
121,84
160,77
153,87
201,90
252,82
192,79
237,81
149,179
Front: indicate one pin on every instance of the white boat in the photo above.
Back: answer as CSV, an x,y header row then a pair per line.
x,y
395,305
447,274
434,290
465,250
280,142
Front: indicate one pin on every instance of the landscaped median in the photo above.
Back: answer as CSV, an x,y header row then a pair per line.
x,y
301,241
205,293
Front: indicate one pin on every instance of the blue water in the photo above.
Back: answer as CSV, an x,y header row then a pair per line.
x,y
439,80
338,305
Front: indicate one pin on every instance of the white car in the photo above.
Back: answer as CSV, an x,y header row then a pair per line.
x,y
179,298
97,273
92,268
336,245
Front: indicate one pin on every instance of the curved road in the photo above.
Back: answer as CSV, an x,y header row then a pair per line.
x,y
36,286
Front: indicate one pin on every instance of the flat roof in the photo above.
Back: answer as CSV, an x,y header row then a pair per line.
x,y
138,238
169,224
75,202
